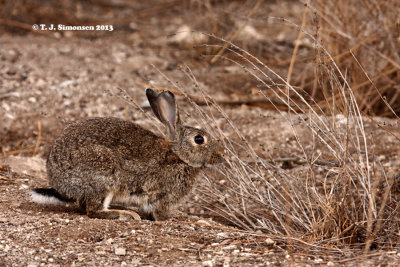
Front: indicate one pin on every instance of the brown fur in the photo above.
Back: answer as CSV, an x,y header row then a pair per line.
x,y
103,161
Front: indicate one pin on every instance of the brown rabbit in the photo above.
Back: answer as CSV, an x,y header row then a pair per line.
x,y
100,162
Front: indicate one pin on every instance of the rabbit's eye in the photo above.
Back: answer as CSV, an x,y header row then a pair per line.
x,y
198,139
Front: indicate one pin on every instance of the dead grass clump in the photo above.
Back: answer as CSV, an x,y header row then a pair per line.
x,y
363,39
342,196
339,196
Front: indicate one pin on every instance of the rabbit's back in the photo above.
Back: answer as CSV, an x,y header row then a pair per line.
x,y
126,137
93,154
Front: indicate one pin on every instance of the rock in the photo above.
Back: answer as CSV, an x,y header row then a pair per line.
x,y
269,242
227,262
120,251
230,247
209,263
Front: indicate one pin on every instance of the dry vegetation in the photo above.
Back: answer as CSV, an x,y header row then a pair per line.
x,y
342,196
334,67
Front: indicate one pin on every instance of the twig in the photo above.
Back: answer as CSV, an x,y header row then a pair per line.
x,y
297,44
362,43
19,151
378,225
199,100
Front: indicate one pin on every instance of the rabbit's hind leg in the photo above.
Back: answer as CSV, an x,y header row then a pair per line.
x,y
100,210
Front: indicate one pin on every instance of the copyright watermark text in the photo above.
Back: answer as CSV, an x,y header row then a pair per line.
x,y
61,27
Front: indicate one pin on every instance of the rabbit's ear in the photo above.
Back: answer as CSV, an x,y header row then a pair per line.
x,y
165,109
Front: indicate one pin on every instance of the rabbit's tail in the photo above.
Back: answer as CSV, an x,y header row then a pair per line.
x,y
48,196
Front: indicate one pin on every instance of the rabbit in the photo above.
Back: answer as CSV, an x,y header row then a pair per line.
x,y
101,162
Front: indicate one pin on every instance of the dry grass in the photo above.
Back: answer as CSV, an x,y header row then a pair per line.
x,y
341,197
363,39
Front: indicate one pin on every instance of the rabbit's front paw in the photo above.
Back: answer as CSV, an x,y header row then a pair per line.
x,y
128,215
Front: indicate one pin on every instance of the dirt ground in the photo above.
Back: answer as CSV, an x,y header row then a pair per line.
x,y
32,235
36,235
48,80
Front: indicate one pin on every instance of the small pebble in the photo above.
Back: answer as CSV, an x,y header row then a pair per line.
x,y
120,251
269,241
208,263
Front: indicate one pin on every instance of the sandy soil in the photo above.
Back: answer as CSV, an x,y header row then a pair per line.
x,y
46,82
34,235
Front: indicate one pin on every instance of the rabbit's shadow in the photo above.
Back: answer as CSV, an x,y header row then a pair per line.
x,y
51,209
74,209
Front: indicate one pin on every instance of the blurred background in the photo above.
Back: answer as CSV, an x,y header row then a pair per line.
x,y
362,37
297,40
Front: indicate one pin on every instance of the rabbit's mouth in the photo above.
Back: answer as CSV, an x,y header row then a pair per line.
x,y
197,165
214,160
209,165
